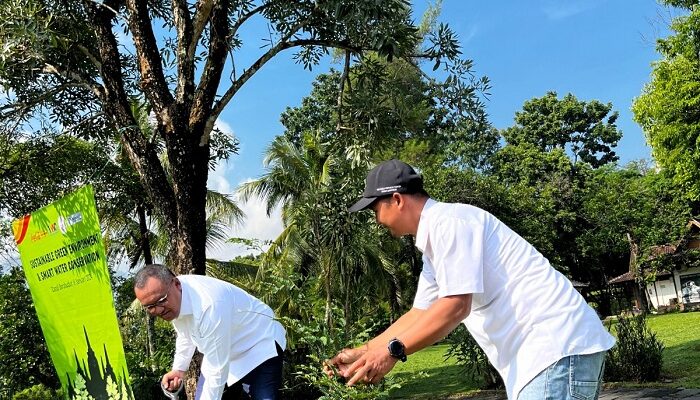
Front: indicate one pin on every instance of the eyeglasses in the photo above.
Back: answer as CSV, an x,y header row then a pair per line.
x,y
159,302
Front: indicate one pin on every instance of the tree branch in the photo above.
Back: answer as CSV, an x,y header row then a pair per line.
x,y
78,80
236,25
211,75
153,81
141,153
201,16
341,89
90,57
185,62
248,73
21,107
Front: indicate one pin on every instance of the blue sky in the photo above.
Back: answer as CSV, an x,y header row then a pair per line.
x,y
595,49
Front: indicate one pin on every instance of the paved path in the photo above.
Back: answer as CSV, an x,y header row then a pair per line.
x,y
650,394
613,394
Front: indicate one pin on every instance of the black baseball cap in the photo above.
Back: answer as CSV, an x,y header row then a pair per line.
x,y
387,178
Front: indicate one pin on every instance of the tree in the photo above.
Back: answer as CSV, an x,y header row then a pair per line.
x,y
36,171
26,360
669,107
624,209
586,130
65,59
552,148
373,110
320,242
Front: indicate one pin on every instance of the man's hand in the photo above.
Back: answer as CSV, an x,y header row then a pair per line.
x,y
342,361
172,380
370,367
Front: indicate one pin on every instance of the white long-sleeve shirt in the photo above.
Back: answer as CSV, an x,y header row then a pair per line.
x,y
234,331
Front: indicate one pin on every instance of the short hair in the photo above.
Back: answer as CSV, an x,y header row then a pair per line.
x,y
158,271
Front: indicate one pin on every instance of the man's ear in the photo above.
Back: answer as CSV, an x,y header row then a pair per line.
x,y
398,198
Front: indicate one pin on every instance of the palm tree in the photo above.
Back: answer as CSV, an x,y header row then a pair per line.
x,y
319,238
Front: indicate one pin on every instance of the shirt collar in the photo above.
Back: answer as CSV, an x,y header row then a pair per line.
x,y
185,303
422,231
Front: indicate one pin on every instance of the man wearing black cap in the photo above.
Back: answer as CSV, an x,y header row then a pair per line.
x,y
536,329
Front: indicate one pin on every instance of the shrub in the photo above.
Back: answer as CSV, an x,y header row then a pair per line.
x,y
472,358
637,356
38,392
314,343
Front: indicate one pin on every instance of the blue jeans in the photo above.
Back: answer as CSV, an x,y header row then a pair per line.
x,y
572,377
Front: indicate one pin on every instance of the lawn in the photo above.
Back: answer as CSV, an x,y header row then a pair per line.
x,y
680,333
428,376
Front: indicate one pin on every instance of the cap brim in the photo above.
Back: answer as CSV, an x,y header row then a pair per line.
x,y
362,204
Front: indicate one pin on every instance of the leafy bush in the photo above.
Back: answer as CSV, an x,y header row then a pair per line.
x,y
38,392
637,356
316,343
472,358
310,340
25,357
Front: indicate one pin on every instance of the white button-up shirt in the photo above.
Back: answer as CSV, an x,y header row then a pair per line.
x,y
234,331
525,315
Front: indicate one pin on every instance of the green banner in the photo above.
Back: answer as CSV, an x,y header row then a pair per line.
x,y
64,261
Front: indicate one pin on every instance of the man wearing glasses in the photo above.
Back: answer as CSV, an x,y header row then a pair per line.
x,y
238,334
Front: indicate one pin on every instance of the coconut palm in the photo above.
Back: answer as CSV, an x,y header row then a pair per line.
x,y
320,239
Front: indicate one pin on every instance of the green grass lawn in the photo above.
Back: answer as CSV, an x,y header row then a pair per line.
x,y
680,333
427,375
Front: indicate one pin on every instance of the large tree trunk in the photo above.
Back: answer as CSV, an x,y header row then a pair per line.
x,y
148,259
189,169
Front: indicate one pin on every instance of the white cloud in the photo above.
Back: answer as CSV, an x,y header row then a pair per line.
x,y
556,10
217,178
257,225
470,34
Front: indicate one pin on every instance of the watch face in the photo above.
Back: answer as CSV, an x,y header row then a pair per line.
x,y
396,348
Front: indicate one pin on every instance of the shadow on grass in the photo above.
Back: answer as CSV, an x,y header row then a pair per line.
x,y
434,383
682,363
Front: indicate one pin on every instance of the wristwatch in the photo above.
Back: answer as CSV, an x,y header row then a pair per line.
x,y
397,349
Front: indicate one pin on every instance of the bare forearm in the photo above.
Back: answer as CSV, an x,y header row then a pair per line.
x,y
398,327
436,322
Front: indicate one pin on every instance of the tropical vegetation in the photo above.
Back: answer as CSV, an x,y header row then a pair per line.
x,y
141,126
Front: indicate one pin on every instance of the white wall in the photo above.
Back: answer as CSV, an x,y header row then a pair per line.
x,y
661,292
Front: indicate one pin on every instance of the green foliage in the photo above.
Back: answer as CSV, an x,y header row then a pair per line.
x,y
25,357
586,129
667,109
38,392
37,171
315,342
631,203
637,355
385,107
472,358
